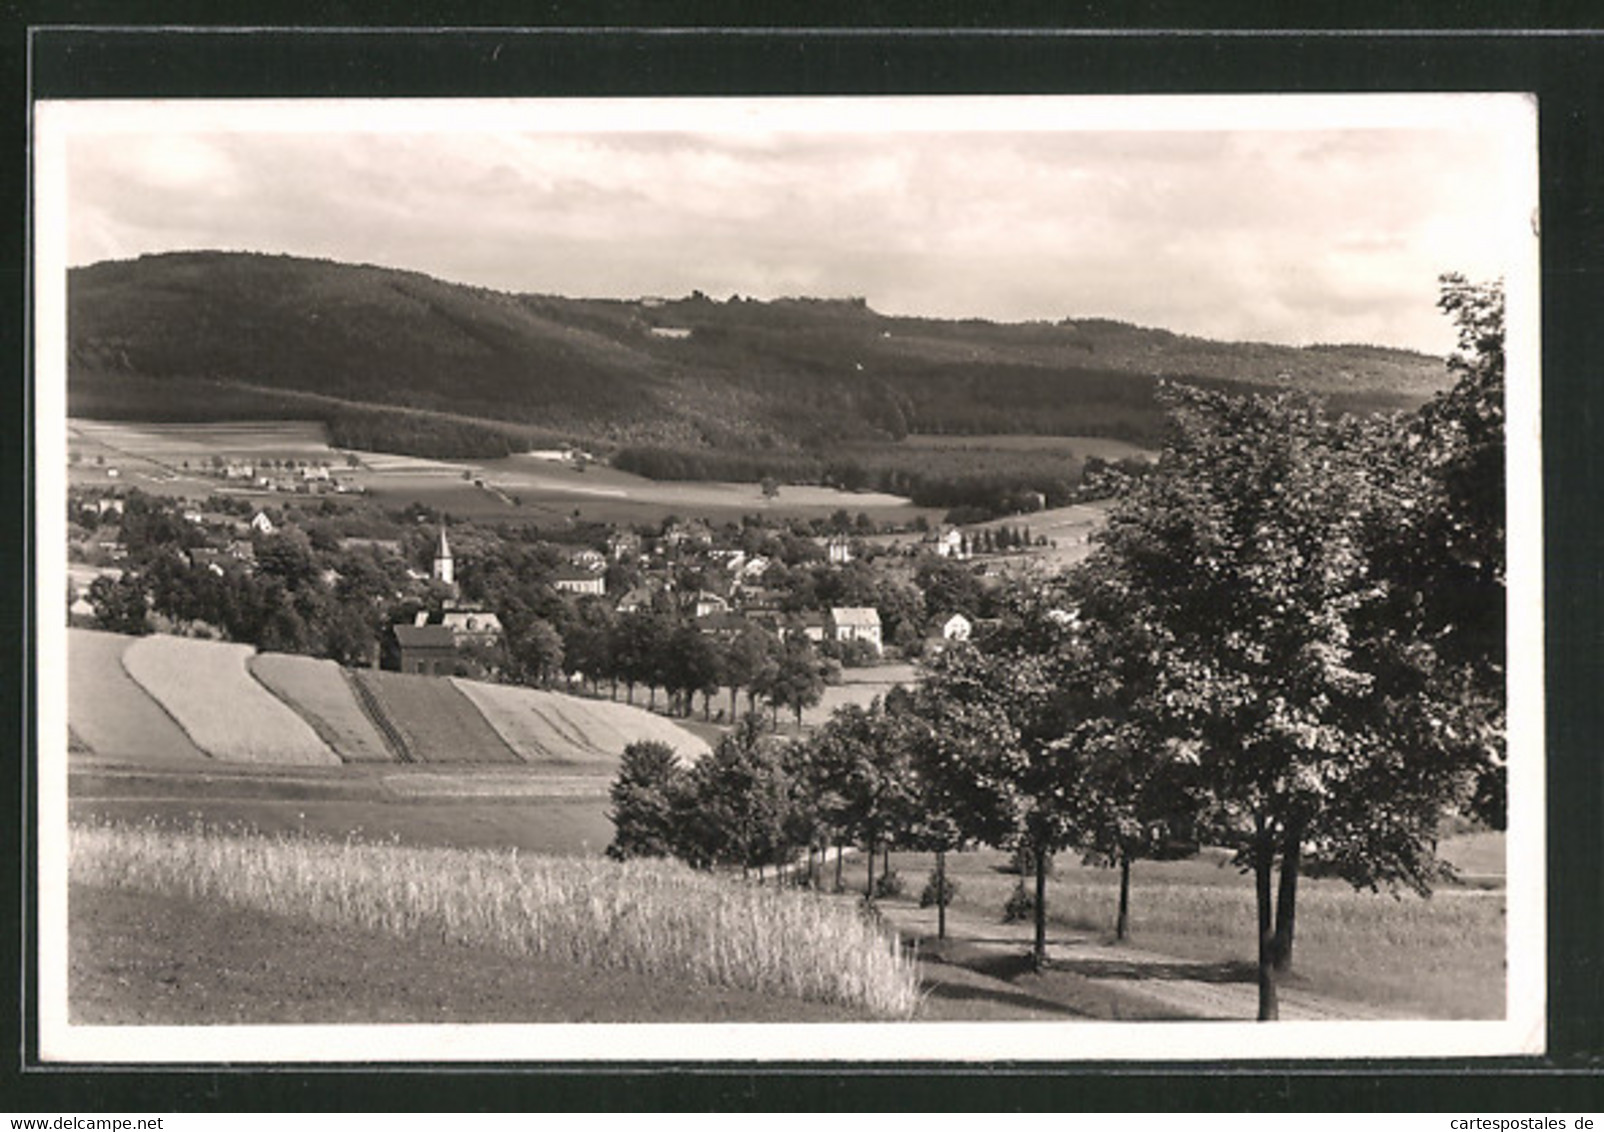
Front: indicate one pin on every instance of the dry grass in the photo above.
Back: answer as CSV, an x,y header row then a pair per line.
x,y
655,918
207,688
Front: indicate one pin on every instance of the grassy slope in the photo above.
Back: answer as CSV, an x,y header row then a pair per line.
x,y
113,715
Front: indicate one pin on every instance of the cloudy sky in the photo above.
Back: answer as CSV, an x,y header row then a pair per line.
x,y
1224,218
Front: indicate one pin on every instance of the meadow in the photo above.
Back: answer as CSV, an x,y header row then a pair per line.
x,y
658,919
1437,957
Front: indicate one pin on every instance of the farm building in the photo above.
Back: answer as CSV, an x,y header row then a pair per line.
x,y
838,550
427,650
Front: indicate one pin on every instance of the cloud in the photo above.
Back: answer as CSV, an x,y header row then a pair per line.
x,y
1285,235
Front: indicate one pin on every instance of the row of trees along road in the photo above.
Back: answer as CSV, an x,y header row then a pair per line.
x,y
1289,642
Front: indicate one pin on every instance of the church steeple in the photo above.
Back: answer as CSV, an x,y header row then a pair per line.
x,y
444,569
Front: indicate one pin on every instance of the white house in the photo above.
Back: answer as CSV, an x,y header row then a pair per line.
x,y
261,524
576,581
854,623
950,543
956,628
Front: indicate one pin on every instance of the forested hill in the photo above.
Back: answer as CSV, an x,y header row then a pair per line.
x,y
214,334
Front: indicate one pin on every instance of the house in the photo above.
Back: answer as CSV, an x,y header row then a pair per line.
x,y
211,558
241,551
710,603
261,524
426,650
636,599
838,550
951,630
623,545
588,559
814,626
951,543
476,625
575,581
854,623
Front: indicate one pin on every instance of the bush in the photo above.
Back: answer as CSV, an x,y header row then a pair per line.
x,y
1021,905
889,884
927,898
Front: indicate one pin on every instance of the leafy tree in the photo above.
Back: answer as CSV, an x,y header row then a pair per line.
x,y
535,653
120,604
740,796
999,719
746,659
646,799
861,764
796,680
1243,555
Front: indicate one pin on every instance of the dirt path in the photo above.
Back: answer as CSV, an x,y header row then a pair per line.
x,y
1088,978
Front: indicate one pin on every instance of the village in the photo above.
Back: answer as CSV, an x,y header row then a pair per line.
x,y
778,607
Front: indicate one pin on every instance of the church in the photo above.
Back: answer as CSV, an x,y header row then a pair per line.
x,y
443,644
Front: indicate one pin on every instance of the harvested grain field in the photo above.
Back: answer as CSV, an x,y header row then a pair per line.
x,y
207,688
553,729
110,714
433,720
319,692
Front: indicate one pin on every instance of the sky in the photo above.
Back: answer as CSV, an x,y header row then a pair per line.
x,y
1230,219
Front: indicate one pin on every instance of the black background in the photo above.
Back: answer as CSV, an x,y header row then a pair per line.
x,y
141,50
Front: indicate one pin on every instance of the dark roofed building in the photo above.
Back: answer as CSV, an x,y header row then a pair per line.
x,y
426,650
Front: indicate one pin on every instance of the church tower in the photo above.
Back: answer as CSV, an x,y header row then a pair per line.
x,y
444,570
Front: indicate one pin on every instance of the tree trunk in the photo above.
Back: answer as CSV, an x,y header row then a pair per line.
x,y
733,691
1264,860
868,891
941,894
1038,955
839,854
1122,924
1286,901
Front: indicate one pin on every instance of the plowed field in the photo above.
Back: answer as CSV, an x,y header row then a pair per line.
x,y
318,690
434,720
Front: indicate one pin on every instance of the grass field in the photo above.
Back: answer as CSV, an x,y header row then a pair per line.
x,y
111,714
317,690
1442,957
138,958
656,918
207,688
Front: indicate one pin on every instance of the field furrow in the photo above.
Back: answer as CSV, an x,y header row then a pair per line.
x,y
437,723
318,691
110,714
210,692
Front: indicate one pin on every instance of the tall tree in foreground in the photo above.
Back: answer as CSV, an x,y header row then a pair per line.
x,y
1244,554
646,799
1000,745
